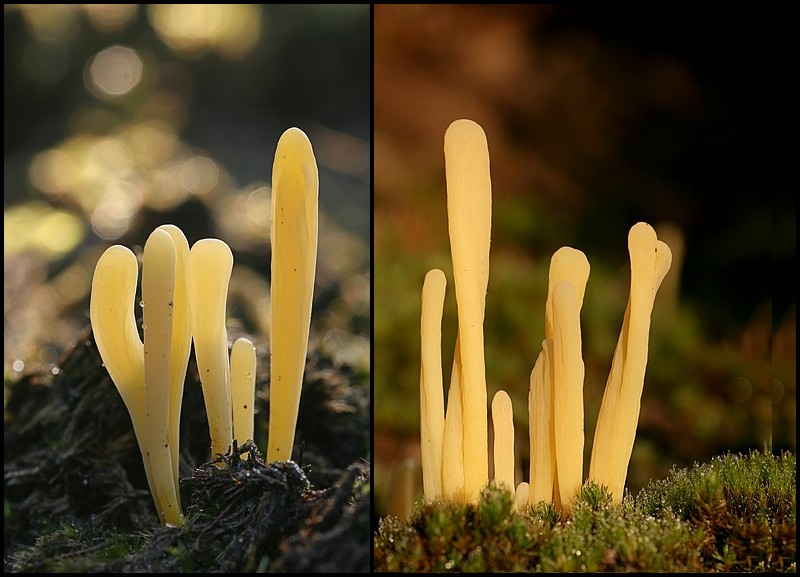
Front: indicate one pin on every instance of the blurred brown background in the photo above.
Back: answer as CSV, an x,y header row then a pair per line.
x,y
120,118
596,118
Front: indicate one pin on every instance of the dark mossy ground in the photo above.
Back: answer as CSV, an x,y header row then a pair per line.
x,y
76,497
737,513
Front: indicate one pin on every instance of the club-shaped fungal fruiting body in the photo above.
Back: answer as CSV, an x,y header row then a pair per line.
x,y
210,266
454,442
184,298
293,231
149,376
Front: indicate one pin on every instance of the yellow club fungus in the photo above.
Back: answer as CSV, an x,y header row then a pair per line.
x,y
184,296
147,374
431,387
619,410
243,371
569,272
521,495
567,393
293,231
210,266
158,293
452,453
181,344
469,210
540,428
111,311
503,450
555,396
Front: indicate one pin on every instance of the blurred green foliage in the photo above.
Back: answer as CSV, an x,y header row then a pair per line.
x,y
737,513
593,126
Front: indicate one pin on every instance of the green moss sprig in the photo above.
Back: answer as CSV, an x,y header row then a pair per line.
x,y
736,513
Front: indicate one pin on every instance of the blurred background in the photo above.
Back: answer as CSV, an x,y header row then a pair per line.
x,y
120,118
596,120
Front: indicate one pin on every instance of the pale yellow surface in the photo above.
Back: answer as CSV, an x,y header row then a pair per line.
x,y
181,345
158,290
566,264
111,311
619,410
243,382
541,428
294,235
521,496
469,219
452,451
431,384
209,272
568,372
503,422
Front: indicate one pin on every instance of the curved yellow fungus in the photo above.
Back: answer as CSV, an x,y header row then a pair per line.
x,y
619,410
209,272
149,376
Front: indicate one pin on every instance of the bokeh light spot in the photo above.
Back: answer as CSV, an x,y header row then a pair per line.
x,y
110,17
37,227
52,172
113,72
109,159
52,23
199,175
110,220
192,30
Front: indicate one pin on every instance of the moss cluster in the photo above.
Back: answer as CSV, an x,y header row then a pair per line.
x,y
736,513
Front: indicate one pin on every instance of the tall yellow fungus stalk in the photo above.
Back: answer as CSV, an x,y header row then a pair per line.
x,y
454,443
469,213
294,233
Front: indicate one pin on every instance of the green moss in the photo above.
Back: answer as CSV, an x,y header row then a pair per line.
x,y
737,513
746,504
74,549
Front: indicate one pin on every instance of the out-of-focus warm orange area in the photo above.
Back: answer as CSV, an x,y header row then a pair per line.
x,y
596,118
120,118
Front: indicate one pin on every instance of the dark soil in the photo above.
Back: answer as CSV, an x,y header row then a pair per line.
x,y
76,496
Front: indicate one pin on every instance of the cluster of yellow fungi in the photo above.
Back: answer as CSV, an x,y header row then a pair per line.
x,y
454,444
184,297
